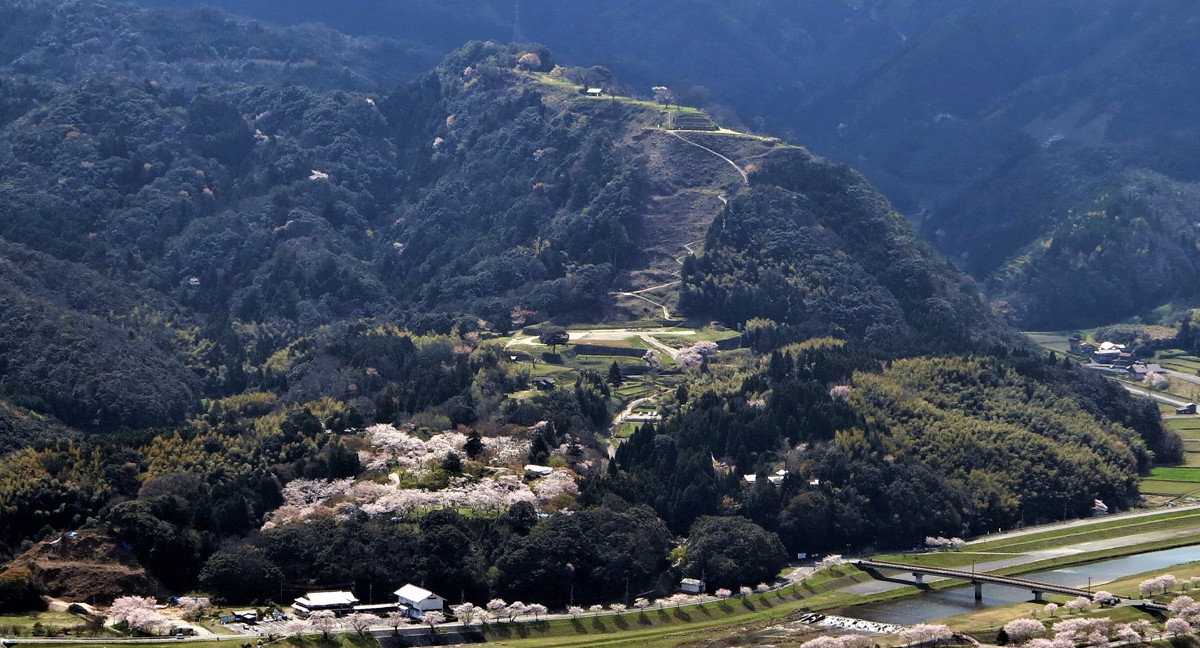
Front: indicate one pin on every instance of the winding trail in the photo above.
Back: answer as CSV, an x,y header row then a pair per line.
x,y
638,294
620,418
740,170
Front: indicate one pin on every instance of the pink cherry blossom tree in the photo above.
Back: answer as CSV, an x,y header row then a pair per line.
x,y
361,621
432,618
138,613
465,612
395,619
323,620
1021,630
515,609
1177,626
536,609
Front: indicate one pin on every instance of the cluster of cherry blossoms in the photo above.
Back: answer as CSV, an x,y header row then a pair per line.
x,y
559,482
943,543
314,498
844,641
138,613
924,633
1164,583
695,355
395,449
1094,631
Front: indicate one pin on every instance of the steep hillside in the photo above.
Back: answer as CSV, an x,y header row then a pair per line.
x,y
256,302
205,222
986,123
811,247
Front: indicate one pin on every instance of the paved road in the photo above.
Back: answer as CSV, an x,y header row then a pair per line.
x,y
1142,392
1185,377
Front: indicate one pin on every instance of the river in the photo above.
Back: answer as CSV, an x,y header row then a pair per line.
x,y
936,604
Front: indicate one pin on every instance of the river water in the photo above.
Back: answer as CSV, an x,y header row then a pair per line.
x,y
936,604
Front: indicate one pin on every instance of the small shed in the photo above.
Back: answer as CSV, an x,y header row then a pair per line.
x,y
544,383
535,470
416,601
594,92
691,586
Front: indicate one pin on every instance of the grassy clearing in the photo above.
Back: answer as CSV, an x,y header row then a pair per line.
x,y
1176,473
1188,428
1156,487
1054,538
45,618
1055,341
49,624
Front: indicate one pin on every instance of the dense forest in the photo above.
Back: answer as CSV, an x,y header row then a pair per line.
x,y
993,143
256,287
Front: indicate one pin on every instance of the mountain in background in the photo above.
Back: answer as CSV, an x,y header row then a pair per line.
x,y
249,274
990,125
170,208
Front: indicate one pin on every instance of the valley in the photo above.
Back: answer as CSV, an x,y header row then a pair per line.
x,y
354,340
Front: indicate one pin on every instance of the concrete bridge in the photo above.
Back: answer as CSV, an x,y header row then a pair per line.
x,y
919,573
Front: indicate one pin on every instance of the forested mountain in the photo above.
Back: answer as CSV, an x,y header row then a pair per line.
x,y
988,124
260,298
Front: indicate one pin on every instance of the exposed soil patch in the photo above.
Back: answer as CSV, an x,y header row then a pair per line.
x,y
90,567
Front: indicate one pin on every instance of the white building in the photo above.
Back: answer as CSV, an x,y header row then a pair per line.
x,y
336,602
691,586
415,601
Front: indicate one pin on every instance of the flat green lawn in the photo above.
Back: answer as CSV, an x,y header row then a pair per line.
x,y
1176,473
1155,487
1188,428
53,622
1060,537
44,618
1050,340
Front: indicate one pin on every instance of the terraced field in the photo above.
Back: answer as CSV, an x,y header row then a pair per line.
x,y
1184,480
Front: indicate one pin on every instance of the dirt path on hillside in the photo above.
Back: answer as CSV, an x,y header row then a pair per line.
x,y
740,170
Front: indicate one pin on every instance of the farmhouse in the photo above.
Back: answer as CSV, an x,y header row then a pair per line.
x,y
1138,370
337,602
415,601
1108,352
544,383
